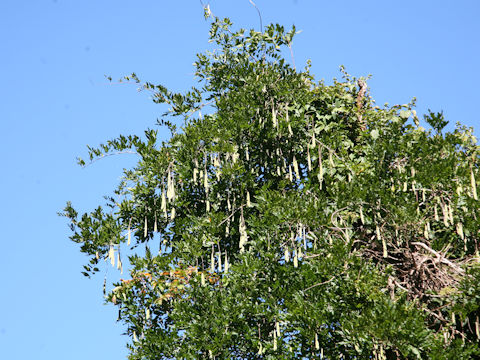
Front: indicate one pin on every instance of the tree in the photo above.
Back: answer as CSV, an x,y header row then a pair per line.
x,y
296,219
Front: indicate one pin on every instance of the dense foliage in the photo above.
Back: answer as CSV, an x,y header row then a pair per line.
x,y
295,219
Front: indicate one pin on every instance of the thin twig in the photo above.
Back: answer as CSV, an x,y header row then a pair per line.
x,y
313,256
321,283
291,54
259,15
233,213
110,154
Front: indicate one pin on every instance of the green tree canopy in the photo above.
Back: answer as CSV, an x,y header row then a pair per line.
x,y
295,219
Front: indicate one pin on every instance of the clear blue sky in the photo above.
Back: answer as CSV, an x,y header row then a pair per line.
x,y
54,100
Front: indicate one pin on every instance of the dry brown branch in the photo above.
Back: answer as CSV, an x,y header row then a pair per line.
x,y
440,257
361,94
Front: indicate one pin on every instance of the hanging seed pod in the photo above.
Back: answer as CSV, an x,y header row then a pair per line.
x,y
129,232
295,167
155,228
320,166
220,268
119,261
163,205
290,132
235,156
145,228
120,265
317,344
147,313
277,325
330,158
287,255
423,195
278,171
205,182
300,253
170,187
229,205
445,214
362,218
249,204
473,184
202,279
435,212
405,186
226,264
384,243
450,213
459,229
212,260
295,259
428,230
309,159
290,174
172,214
243,233
260,349
247,155
477,328
111,255
459,190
